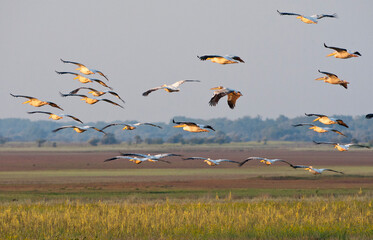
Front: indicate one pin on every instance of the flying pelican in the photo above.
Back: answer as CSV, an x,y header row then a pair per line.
x,y
319,129
83,79
211,162
227,59
369,116
220,92
327,120
266,161
136,160
78,129
169,88
36,102
130,126
151,157
308,19
55,116
192,127
83,69
97,93
342,53
333,79
90,100
315,171
342,147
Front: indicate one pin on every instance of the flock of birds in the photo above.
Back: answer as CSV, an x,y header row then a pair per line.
x,y
219,92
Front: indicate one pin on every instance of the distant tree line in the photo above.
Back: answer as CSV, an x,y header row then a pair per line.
x,y
241,130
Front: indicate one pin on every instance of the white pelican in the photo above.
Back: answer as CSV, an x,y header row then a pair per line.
x,y
342,147
151,157
79,129
315,171
342,53
36,102
369,116
192,127
169,88
266,161
55,116
327,120
211,162
97,93
130,126
319,129
308,19
333,79
220,92
83,79
83,69
90,100
227,59
136,160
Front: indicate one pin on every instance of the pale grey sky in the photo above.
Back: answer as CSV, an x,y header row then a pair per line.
x,y
144,44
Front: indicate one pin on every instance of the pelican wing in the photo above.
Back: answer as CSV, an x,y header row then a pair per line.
x,y
78,89
72,95
117,157
207,57
326,15
71,116
109,101
63,127
113,124
335,48
149,124
340,122
76,63
332,143
151,90
115,94
302,124
286,13
313,114
99,72
237,58
336,131
100,82
22,96
329,74
331,170
54,105
177,84
227,160
249,159
217,95
162,155
358,145
39,112
186,123
299,166
369,116
99,130
67,73
135,155
195,158
232,98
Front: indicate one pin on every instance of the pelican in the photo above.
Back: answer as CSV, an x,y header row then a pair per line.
x,y
90,100
327,120
192,127
151,157
79,129
266,161
369,116
83,79
333,79
169,88
97,93
315,171
227,59
136,160
220,92
319,129
36,102
342,147
309,19
211,162
83,69
130,126
342,53
55,116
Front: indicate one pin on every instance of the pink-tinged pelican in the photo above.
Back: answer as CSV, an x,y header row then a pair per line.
x,y
78,129
327,120
266,161
130,126
97,93
89,100
342,147
220,92
83,79
315,171
169,88
342,53
192,127
227,59
56,116
211,162
83,69
36,102
139,158
332,79
319,129
309,19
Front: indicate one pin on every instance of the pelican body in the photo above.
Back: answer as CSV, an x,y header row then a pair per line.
x,y
319,129
333,79
232,96
83,69
192,127
211,162
227,59
342,147
36,102
266,161
327,120
83,79
342,53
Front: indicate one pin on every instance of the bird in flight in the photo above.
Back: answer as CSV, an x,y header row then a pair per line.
x,y
319,129
97,93
169,88
315,171
83,69
192,127
220,92
327,120
227,59
55,116
36,102
79,129
211,162
130,126
83,79
266,161
309,19
342,53
369,116
342,147
332,79
90,100
139,158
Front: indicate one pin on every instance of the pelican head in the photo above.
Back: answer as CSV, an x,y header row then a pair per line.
x,y
217,88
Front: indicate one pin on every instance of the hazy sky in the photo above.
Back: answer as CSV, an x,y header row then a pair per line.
x,y
144,44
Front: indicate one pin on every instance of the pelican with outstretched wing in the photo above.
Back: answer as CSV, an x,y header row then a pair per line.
x,y
308,19
79,129
227,59
211,162
168,88
342,147
319,129
97,93
220,92
88,100
56,116
266,161
36,102
83,69
327,120
332,79
342,53
315,171
192,127
83,79
130,126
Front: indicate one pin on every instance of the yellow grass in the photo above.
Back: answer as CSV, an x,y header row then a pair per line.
x,y
312,218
